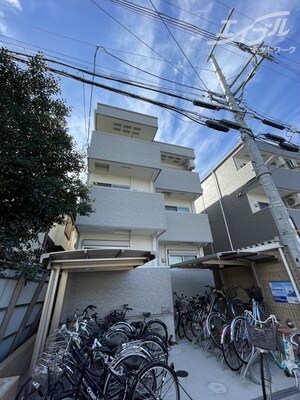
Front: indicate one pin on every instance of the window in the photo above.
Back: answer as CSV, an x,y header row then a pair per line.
x,y
111,185
262,205
178,209
177,256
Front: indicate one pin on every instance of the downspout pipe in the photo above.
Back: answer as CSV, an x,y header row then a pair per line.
x,y
222,209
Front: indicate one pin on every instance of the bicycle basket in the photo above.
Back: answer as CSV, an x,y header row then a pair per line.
x,y
255,293
56,352
262,336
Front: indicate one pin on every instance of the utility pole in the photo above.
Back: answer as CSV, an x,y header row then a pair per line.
x,y
279,212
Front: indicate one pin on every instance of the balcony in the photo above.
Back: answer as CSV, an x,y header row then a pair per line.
x,y
285,178
295,215
122,122
116,209
121,156
186,228
178,183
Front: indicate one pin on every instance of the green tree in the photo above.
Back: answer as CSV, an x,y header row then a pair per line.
x,y
39,165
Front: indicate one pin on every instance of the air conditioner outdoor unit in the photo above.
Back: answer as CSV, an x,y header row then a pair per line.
x,y
291,163
293,200
190,165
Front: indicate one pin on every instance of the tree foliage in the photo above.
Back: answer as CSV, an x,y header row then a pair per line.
x,y
39,165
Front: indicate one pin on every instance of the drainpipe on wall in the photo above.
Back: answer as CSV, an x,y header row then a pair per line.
x,y
222,209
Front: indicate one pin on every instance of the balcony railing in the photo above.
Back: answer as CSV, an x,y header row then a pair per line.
x,y
179,183
117,209
186,228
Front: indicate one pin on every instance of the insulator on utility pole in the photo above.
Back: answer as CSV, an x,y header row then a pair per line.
x,y
275,138
203,104
273,124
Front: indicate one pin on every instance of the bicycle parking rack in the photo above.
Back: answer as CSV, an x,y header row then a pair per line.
x,y
247,369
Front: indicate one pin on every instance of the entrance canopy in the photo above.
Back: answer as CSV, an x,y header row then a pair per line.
x,y
226,259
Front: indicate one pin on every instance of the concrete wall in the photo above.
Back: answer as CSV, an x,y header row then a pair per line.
x,y
144,289
18,363
190,281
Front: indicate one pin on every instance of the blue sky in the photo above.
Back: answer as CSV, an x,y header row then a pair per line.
x,y
70,30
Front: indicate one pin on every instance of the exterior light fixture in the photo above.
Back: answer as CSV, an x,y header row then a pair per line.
x,y
203,104
273,124
275,138
289,147
216,125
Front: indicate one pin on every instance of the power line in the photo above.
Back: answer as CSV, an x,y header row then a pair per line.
x,y
181,49
108,53
194,116
139,39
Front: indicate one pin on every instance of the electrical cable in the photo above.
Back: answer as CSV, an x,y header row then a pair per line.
x,y
181,49
194,116
107,52
139,39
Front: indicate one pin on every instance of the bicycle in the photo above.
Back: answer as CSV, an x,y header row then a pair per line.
x,y
236,347
138,329
263,335
224,307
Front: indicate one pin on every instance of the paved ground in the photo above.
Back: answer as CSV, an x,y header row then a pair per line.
x,y
210,379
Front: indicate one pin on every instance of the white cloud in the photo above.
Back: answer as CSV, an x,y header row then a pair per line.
x,y
14,3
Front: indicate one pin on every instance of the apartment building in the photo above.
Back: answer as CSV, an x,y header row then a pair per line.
x,y
242,223
144,190
236,204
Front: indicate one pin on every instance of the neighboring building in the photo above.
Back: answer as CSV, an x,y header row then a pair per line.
x,y
236,204
144,190
60,237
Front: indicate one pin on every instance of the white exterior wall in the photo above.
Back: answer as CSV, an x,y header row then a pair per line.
x,y
142,243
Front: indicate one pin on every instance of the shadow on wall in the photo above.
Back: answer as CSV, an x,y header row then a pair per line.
x,y
190,281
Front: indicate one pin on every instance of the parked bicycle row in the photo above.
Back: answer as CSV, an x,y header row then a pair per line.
x,y
244,333
82,361
194,316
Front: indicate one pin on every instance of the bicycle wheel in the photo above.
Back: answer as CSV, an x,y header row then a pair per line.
x,y
230,356
187,327
265,375
180,326
215,323
155,381
157,326
196,321
31,390
241,342
264,311
156,350
122,372
118,337
122,325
